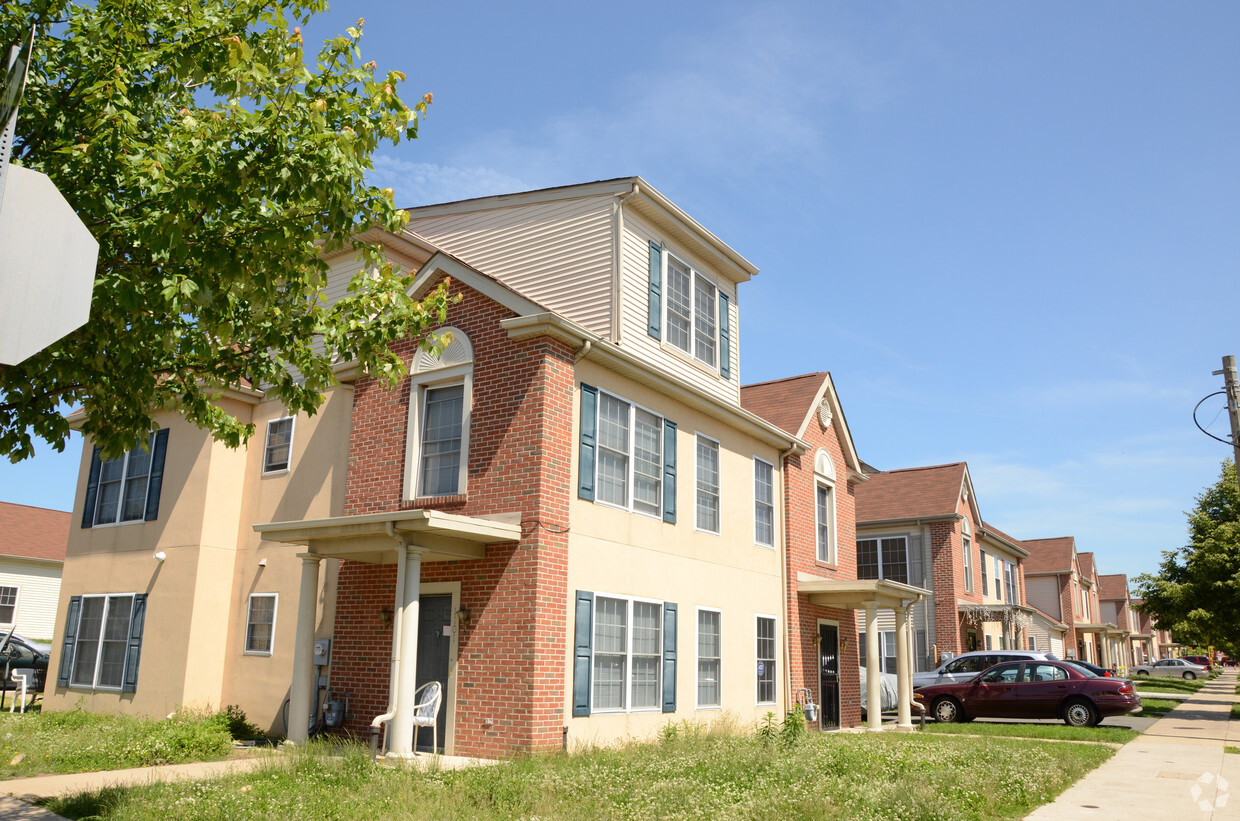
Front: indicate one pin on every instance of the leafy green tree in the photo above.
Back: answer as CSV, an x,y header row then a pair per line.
x,y
1197,591
216,168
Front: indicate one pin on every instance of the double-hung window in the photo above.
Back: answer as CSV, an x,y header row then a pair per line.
x,y
628,654
763,503
885,558
985,574
627,456
824,516
440,410
102,640
886,650
709,658
442,418
127,488
766,659
260,624
8,604
998,579
707,484
691,313
967,546
277,453
1009,581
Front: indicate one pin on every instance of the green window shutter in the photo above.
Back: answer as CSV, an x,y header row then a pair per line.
x,y
582,653
669,471
66,649
92,489
129,681
725,337
158,450
589,429
669,657
654,315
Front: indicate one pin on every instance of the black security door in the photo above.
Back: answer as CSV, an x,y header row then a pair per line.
x,y
434,641
829,675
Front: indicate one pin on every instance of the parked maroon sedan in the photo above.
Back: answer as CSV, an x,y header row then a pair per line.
x,y
1032,689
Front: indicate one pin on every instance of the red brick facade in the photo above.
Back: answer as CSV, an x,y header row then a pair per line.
x,y
800,522
520,439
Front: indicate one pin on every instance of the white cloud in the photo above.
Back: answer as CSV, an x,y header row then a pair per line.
x,y
419,183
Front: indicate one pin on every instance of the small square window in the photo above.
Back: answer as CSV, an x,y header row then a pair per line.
x,y
8,605
279,448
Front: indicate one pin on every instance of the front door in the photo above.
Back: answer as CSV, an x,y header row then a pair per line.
x,y
829,676
434,641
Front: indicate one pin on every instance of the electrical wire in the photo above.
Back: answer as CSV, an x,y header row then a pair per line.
x,y
1198,424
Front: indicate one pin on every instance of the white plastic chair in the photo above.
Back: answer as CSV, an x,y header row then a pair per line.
x,y
24,676
426,712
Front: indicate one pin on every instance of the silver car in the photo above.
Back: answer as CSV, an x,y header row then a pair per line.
x,y
967,666
1176,668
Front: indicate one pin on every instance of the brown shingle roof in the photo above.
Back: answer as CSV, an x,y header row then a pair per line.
x,y
784,402
33,532
910,493
1114,586
1049,555
1086,560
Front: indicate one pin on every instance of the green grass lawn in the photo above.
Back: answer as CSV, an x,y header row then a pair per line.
x,y
72,741
1052,732
820,776
1158,707
1168,684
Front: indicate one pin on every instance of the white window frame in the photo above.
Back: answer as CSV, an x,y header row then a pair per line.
x,y
1010,585
886,640
249,621
124,480
758,504
966,541
697,667
17,592
824,479
1033,643
288,465
698,488
420,384
77,641
998,578
757,683
694,274
627,688
989,641
878,540
981,555
630,480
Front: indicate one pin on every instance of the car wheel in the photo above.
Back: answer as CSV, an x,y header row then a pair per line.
x,y
947,710
1143,672
1080,713
1189,675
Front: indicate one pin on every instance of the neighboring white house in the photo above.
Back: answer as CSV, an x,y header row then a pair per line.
x,y
32,556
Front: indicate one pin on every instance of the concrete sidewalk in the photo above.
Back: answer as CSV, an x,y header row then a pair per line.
x,y
1175,770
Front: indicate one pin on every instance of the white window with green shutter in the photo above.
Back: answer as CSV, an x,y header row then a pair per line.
x,y
627,456
689,311
625,655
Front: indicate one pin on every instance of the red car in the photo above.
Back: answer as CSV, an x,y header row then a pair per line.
x,y
1204,661
1032,689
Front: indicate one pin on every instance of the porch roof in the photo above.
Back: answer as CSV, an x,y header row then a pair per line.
x,y
855,594
1094,627
371,537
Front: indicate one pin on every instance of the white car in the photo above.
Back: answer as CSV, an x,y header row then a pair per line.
x,y
1176,668
967,666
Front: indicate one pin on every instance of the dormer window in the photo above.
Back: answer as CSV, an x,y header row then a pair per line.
x,y
691,313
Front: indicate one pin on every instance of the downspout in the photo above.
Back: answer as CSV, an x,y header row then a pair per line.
x,y
381,721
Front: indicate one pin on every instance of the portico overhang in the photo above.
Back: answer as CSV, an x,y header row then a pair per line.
x,y
857,594
1092,627
369,537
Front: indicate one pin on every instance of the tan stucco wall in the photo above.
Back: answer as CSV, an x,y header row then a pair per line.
x,y
193,642
616,552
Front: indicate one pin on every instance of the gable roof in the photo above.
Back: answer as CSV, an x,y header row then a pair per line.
x,y
914,493
791,404
987,529
1086,562
33,532
1114,586
1050,555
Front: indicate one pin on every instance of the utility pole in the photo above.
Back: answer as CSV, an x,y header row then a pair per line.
x,y
1232,386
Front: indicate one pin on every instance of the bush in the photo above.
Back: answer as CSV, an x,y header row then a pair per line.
x,y
239,726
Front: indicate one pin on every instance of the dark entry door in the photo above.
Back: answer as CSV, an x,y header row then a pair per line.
x,y
829,676
433,644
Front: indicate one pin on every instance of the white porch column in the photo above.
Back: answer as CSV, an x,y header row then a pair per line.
x,y
903,679
301,696
873,670
400,735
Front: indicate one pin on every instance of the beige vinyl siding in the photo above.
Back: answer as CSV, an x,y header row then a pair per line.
x,y
38,591
1042,592
558,254
634,304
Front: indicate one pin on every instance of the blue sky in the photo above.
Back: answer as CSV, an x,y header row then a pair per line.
x,y
1010,231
